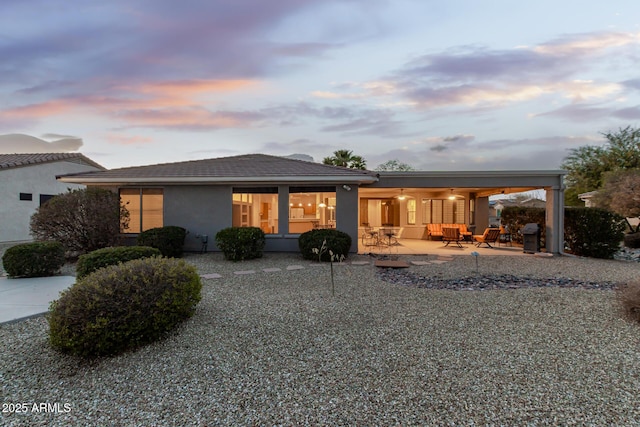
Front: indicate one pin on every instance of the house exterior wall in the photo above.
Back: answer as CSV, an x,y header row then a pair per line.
x,y
37,179
201,210
205,210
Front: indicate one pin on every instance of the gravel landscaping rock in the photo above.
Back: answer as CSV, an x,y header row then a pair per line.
x,y
547,346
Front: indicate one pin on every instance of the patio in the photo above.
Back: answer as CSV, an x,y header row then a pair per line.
x,y
437,247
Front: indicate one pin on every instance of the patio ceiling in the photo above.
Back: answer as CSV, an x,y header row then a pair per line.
x,y
479,191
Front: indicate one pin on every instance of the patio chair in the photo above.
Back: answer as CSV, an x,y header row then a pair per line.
x,y
490,235
452,235
370,237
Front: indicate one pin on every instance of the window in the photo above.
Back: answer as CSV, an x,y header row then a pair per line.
x,y
44,198
145,206
311,207
26,196
411,211
256,207
438,211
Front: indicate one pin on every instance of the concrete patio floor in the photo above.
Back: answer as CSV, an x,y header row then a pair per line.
x,y
435,247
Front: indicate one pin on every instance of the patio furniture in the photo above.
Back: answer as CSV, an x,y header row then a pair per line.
x,y
435,230
390,233
370,237
505,236
452,235
490,235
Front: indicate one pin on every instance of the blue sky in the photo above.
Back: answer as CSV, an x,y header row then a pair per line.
x,y
456,85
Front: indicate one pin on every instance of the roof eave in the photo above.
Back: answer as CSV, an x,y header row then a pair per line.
x,y
219,180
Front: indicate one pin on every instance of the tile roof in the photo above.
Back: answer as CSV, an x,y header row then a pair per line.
x,y
8,161
243,168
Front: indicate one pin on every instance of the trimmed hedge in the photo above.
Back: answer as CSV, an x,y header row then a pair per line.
x,y
169,239
36,259
593,232
241,243
516,217
88,263
122,307
338,242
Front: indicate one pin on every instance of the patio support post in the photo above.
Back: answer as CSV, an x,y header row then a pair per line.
x,y
283,209
347,212
555,220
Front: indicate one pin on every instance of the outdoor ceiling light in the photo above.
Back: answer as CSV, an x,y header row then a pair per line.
x,y
402,196
346,187
452,196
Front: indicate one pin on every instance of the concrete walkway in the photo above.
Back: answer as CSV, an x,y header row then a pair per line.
x,y
23,298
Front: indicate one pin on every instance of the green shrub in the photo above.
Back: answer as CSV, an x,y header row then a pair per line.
x,y
124,306
632,240
516,217
169,239
338,242
593,232
37,259
240,243
88,263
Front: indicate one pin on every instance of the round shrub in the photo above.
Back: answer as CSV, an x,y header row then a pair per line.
x,y
337,242
632,240
241,243
36,259
124,306
593,232
169,239
88,263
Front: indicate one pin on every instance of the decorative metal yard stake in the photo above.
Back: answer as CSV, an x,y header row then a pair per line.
x,y
332,257
476,254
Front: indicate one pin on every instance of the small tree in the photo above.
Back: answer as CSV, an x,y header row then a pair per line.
x,y
621,194
394,165
82,220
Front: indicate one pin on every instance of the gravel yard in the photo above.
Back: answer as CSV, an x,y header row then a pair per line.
x,y
276,348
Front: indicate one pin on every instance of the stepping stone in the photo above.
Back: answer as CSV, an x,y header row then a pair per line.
x,y
295,267
420,262
211,276
271,270
384,263
439,261
244,272
360,262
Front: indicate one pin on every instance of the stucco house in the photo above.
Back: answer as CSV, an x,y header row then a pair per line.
x,y
286,197
29,180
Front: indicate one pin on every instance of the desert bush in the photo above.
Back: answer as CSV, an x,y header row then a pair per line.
x,y
338,242
124,306
629,299
82,220
516,217
88,263
632,240
241,243
593,232
169,239
36,259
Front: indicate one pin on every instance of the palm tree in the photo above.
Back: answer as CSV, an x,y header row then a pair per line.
x,y
347,159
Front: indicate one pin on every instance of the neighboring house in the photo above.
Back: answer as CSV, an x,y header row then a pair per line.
x,y
286,197
29,180
587,198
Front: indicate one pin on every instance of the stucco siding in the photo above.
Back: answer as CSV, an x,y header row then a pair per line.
x,y
37,179
201,210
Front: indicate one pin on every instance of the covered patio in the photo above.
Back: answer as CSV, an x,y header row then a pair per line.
x,y
409,201
402,246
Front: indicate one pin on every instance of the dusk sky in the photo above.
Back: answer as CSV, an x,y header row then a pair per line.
x,y
441,85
